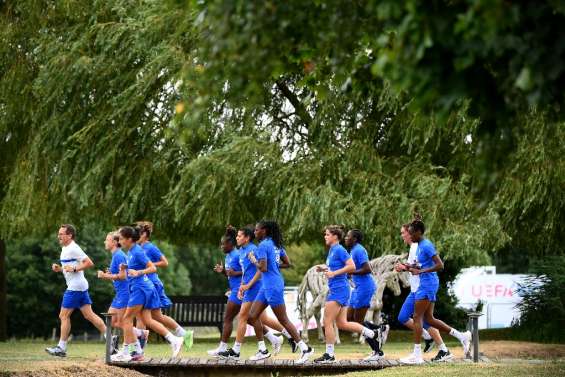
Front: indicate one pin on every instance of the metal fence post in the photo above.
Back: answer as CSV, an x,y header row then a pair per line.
x,y
474,324
108,320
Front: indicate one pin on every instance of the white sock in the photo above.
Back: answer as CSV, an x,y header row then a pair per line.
x,y
62,344
271,337
170,337
138,347
286,334
330,349
179,331
417,349
303,346
222,347
457,334
138,332
262,346
442,347
367,333
237,347
426,335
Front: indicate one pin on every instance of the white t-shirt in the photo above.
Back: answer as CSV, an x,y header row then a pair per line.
x,y
412,259
70,256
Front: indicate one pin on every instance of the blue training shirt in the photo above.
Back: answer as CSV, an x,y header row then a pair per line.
x,y
272,278
424,254
337,256
232,263
154,255
137,260
247,267
279,254
360,257
119,257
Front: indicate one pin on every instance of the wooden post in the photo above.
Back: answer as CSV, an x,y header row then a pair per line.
x,y
108,320
474,324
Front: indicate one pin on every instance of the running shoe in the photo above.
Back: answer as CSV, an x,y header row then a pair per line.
x,y
188,339
326,358
375,356
383,335
144,339
121,357
260,355
412,359
176,345
56,351
136,356
216,351
293,345
442,356
305,356
229,354
115,345
429,345
277,345
466,342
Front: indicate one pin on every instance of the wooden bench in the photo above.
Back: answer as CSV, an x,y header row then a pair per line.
x,y
193,311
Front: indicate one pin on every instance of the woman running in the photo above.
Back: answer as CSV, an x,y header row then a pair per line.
x,y
339,264
160,261
429,334
427,263
271,294
248,290
233,271
119,280
143,299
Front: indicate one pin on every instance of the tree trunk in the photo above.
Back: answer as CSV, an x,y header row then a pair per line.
x,y
3,301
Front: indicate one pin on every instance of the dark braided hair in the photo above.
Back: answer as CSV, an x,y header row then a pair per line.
x,y
248,231
417,224
272,230
230,235
357,234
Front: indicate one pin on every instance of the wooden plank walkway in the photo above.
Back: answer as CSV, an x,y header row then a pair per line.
x,y
212,366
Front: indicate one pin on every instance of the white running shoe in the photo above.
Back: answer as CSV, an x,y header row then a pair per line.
x,y
375,356
277,345
215,352
176,345
260,355
412,359
466,343
305,356
121,357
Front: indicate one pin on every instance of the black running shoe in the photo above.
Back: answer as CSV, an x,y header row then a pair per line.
x,y
114,347
229,354
442,356
429,345
293,345
324,359
56,351
371,325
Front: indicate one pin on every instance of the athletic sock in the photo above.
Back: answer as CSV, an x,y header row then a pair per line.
x,y
271,337
262,346
222,347
417,350
138,348
62,345
330,349
170,337
457,334
426,335
237,347
303,346
442,347
179,331
131,348
137,332
367,333
286,334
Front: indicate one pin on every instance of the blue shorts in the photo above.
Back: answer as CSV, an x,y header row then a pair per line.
x,y
145,296
407,310
361,297
340,295
427,291
75,299
250,294
120,301
163,299
271,297
233,297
